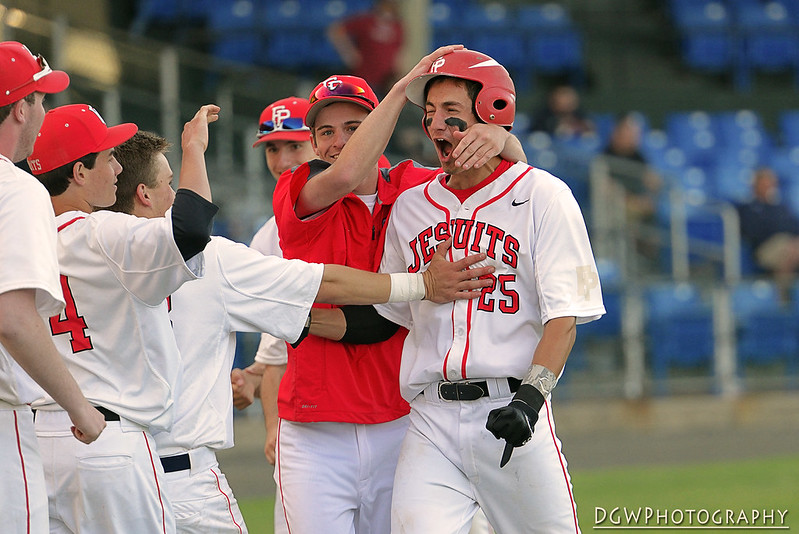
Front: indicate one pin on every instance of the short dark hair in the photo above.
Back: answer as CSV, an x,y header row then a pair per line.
x,y
137,158
5,111
472,89
57,180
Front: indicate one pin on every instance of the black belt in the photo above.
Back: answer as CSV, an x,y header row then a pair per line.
x,y
181,462
467,391
107,414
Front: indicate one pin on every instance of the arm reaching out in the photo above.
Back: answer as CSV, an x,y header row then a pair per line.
x,y
194,142
443,281
359,156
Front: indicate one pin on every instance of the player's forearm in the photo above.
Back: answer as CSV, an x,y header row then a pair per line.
x,y
556,344
270,384
328,323
357,160
513,150
345,285
27,340
193,172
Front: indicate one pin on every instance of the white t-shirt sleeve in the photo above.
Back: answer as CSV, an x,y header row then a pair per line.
x,y
271,351
267,293
266,240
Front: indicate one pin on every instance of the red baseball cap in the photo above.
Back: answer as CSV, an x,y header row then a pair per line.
x,y
70,132
23,73
284,120
340,88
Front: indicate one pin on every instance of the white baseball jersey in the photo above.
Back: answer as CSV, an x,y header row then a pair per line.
x,y
115,335
241,291
531,227
29,261
271,350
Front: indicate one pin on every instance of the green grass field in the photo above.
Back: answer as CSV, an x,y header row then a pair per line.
x,y
742,486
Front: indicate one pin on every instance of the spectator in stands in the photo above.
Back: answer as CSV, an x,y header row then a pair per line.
x,y
771,228
562,115
639,182
630,169
369,44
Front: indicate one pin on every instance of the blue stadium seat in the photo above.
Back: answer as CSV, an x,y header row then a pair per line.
x,y
741,128
507,48
766,328
317,15
236,32
699,15
543,17
175,13
731,180
710,52
285,15
756,15
678,327
785,162
442,15
491,16
558,53
694,133
788,122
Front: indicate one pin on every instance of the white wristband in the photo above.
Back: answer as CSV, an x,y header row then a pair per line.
x,y
406,287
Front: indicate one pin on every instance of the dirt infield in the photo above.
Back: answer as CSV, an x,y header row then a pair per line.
x,y
601,433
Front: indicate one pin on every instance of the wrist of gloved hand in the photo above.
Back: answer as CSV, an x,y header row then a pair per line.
x,y
529,400
515,422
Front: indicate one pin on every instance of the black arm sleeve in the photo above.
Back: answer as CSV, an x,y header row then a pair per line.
x,y
365,325
192,217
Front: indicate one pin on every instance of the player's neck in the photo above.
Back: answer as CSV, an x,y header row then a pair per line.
x,y
471,177
66,202
369,185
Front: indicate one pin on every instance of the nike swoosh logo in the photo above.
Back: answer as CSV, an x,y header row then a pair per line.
x,y
514,203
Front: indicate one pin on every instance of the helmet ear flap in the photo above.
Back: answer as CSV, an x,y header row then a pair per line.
x,y
496,105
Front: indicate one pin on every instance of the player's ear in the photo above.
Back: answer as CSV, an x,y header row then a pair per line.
x,y
143,195
313,141
78,175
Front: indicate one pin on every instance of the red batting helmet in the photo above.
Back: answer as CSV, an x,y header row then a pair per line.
x,y
340,88
496,101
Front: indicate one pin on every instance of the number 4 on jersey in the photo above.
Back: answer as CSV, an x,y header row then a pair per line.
x,y
71,322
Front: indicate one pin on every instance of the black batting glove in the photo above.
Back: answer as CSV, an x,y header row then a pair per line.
x,y
515,422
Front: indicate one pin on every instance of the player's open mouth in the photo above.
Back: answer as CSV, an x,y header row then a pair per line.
x,y
444,148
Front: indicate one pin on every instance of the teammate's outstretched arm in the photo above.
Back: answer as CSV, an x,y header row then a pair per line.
x,y
25,336
359,157
192,211
194,142
443,281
